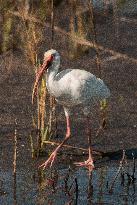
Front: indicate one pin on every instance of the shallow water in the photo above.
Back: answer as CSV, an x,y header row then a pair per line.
x,y
67,186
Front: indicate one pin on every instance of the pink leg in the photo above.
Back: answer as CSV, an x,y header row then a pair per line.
x,y
52,157
88,163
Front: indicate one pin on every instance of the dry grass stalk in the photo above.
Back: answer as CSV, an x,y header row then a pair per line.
x,y
52,22
32,147
103,115
31,35
15,163
98,62
41,95
115,19
78,28
93,30
55,117
43,104
52,115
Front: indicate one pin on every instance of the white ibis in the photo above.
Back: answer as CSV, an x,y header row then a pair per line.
x,y
71,87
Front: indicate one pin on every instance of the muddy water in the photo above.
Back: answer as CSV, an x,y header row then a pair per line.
x,y
67,185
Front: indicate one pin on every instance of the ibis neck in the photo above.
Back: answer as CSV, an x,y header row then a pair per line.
x,y
50,79
52,72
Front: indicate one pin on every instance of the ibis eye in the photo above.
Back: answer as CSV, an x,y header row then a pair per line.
x,y
52,57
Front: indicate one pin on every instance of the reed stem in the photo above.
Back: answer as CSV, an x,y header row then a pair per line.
x,y
15,164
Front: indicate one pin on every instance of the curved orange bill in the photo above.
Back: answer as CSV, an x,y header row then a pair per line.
x,y
46,64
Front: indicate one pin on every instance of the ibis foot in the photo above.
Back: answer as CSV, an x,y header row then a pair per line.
x,y
49,162
88,164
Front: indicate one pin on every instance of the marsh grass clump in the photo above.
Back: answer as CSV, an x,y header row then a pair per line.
x,y
7,25
30,37
31,34
45,116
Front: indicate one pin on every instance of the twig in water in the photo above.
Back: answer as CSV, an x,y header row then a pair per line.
x,y
70,192
131,177
101,128
134,168
76,190
69,203
2,192
55,180
74,147
122,178
118,172
67,189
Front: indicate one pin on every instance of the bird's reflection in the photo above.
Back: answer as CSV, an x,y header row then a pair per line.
x,y
90,189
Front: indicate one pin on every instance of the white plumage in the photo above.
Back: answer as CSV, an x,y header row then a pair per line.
x,y
71,87
74,86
